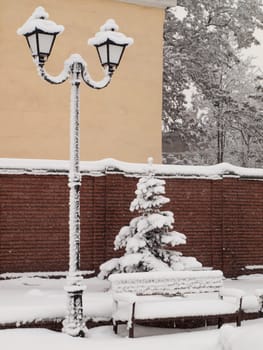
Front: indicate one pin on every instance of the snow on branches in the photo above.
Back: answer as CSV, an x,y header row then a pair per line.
x,y
146,238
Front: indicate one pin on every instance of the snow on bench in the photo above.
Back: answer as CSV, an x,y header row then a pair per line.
x,y
175,295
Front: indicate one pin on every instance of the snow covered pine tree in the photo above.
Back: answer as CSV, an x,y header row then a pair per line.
x,y
146,237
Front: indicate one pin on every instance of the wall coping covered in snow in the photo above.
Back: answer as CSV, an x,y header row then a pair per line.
x,y
112,166
41,274
152,3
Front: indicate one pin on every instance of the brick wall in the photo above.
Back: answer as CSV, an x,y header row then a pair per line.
x,y
223,220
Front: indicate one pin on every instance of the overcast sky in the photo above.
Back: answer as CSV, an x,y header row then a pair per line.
x,y
257,51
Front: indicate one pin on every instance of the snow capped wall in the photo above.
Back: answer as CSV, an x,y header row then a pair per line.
x,y
152,3
218,208
106,166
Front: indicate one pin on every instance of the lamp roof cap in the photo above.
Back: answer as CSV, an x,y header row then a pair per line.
x,y
108,32
39,20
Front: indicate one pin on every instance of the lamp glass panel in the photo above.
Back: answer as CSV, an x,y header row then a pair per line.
x,y
115,53
45,42
32,40
103,53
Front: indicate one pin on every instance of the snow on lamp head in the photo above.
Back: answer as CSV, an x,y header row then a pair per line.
x,y
110,44
40,34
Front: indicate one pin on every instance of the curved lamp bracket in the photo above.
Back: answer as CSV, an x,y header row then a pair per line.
x,y
69,66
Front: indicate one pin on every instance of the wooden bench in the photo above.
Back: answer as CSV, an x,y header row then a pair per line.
x,y
172,296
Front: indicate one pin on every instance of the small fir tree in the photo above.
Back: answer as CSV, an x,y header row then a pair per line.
x,y
146,238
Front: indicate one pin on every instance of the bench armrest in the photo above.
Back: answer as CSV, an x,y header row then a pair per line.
x,y
238,294
125,297
259,295
130,299
231,292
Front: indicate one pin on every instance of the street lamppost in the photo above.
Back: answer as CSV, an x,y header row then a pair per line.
x,y
40,34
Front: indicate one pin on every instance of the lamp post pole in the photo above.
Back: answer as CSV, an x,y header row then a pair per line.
x,y
110,44
74,322
74,182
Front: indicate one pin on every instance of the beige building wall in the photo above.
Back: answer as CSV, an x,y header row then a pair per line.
x,y
122,121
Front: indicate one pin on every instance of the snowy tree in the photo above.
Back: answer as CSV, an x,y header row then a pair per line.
x,y
146,238
203,41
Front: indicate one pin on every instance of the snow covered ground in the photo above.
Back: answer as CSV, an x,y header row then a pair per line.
x,y
26,299
249,336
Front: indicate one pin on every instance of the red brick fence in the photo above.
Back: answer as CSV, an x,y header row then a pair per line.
x,y
219,208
